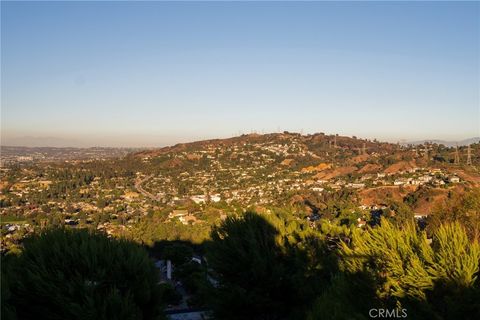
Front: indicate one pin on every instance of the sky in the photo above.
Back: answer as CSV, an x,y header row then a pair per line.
x,y
149,74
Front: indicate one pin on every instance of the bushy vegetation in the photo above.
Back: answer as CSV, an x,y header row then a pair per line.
x,y
258,276
274,264
267,271
75,274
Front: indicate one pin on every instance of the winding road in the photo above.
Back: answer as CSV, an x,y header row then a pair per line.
x,y
138,186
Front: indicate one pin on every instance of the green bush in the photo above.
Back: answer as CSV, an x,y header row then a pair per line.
x,y
76,274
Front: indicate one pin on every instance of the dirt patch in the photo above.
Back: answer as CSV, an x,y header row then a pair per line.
x,y
360,158
172,163
370,168
3,184
320,167
333,173
381,195
400,166
428,202
286,162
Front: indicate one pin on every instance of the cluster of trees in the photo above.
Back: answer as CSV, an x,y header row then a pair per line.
x,y
76,274
151,229
271,265
266,272
266,269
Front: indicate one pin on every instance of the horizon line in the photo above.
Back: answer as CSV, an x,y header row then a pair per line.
x,y
91,146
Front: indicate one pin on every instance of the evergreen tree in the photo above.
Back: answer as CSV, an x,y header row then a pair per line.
x,y
251,270
75,274
266,269
437,281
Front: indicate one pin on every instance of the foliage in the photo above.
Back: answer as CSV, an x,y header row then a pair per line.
x,y
148,230
263,271
75,274
434,281
400,213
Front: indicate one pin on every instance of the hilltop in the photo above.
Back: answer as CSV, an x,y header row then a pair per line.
x,y
312,142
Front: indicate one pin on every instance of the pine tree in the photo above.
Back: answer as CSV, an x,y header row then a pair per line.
x,y
435,281
75,274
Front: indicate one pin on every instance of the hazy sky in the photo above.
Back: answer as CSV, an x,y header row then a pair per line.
x,y
156,73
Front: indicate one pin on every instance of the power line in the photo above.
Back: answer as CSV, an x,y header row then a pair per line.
x,y
457,156
469,156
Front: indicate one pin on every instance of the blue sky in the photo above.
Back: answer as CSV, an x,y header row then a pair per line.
x,y
157,73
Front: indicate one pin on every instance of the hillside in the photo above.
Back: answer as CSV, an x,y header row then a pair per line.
x,y
189,187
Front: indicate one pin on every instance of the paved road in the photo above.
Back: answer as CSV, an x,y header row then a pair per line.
x,y
138,186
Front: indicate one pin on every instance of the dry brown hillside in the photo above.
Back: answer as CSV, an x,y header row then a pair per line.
x,y
360,158
319,167
428,202
382,195
332,173
370,168
400,166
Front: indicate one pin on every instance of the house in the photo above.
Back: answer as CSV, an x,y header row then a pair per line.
x,y
199,198
215,198
454,179
187,219
356,185
420,215
178,213
425,178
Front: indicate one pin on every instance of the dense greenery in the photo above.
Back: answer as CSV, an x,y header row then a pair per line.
x,y
400,268
274,264
267,271
270,266
261,266
75,274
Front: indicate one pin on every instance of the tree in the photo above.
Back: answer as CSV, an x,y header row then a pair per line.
x,y
401,213
76,274
178,253
250,268
437,281
264,269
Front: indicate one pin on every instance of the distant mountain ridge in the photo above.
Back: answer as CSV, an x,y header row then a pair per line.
x,y
459,143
